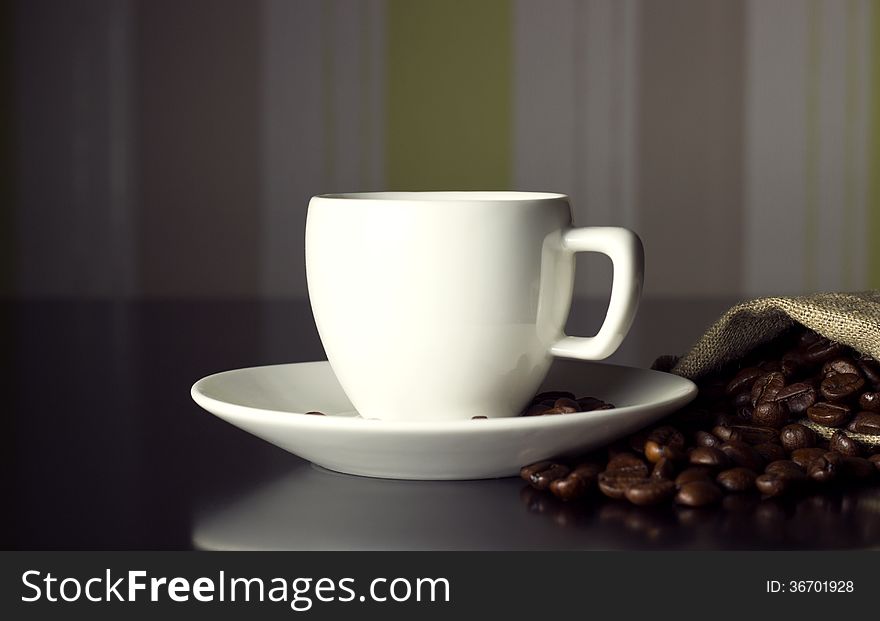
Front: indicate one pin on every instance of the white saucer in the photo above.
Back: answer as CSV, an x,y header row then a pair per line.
x,y
270,402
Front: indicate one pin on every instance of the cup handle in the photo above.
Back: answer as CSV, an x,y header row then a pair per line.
x,y
624,248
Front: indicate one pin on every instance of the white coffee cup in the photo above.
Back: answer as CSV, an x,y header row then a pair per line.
x,y
449,305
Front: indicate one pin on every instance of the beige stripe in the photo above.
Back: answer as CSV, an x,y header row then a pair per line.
x,y
690,136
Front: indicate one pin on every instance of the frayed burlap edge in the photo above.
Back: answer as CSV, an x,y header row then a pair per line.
x,y
827,432
849,318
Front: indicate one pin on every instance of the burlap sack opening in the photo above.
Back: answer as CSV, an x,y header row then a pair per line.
x,y
849,318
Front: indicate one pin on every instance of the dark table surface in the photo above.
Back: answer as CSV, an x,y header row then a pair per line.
x,y
106,450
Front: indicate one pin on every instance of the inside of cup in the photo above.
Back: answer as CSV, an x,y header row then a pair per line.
x,y
448,196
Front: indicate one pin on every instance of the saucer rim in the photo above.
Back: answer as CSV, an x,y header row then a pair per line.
x,y
685,394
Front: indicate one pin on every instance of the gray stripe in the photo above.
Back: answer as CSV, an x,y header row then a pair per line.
x,y
120,166
292,142
199,95
691,148
71,167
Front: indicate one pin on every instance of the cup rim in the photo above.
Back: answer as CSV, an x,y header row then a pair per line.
x,y
448,196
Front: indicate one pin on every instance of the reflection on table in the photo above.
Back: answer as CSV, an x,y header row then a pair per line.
x,y
312,508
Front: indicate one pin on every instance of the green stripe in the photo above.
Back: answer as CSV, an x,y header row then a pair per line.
x,y
449,91
811,163
874,156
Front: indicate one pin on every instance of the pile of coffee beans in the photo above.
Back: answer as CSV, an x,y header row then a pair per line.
x,y
561,402
752,429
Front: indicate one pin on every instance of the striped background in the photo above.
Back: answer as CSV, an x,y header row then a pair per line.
x,y
164,148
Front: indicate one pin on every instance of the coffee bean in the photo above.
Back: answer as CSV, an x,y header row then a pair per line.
x,y
694,473
664,363
568,406
741,454
797,397
754,434
805,456
828,414
766,387
743,380
845,445
725,433
578,482
698,494
821,351
796,436
770,414
867,423
875,459
708,456
841,386
569,488
786,469
650,491
588,471
770,452
663,469
553,411
840,365
825,468
869,368
552,395
772,485
627,463
704,438
614,484
536,410
870,401
592,404
665,442
737,479
526,472
541,480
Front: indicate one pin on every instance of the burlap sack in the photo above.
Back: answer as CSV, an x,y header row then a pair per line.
x,y
849,318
